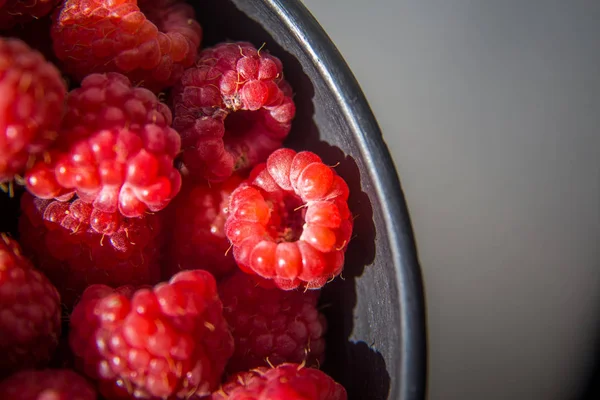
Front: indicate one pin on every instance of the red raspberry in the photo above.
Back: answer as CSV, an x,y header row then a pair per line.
x,y
290,222
285,382
232,109
13,12
76,245
150,41
31,105
29,311
48,384
271,326
167,342
115,149
197,229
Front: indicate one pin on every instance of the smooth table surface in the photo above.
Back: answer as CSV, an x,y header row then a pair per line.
x,y
491,110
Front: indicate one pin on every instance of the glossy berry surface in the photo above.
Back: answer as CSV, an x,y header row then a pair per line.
x,y
115,150
31,105
29,311
290,222
170,341
149,41
47,384
271,326
76,245
285,382
232,109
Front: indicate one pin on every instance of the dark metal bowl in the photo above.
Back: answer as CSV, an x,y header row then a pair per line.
x,y
377,337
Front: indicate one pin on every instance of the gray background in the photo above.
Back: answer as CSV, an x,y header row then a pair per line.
x,y
491,110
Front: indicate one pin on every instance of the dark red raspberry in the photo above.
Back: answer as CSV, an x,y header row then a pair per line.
x,y
285,382
76,245
13,12
196,219
29,311
271,326
31,105
150,41
232,109
48,384
290,222
115,149
167,342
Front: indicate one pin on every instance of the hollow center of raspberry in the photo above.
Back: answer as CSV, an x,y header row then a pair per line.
x,y
287,219
239,131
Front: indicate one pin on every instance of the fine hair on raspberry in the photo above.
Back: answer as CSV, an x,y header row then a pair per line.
x,y
168,342
285,382
115,150
149,41
232,109
290,221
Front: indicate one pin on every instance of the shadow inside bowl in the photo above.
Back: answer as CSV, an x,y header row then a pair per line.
x,y
355,364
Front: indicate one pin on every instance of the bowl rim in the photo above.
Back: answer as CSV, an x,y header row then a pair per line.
x,y
338,76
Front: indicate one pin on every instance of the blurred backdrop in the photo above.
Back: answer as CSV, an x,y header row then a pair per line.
x,y
491,110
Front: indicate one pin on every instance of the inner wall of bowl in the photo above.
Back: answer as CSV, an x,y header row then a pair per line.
x,y
364,339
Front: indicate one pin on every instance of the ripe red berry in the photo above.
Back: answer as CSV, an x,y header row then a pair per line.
x,y
31,105
271,326
13,12
48,384
285,382
29,312
167,342
115,150
196,221
290,222
76,245
150,41
232,109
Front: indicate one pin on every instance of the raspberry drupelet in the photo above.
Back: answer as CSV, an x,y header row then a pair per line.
x,y
232,109
285,382
271,326
149,41
115,150
76,245
166,342
290,221
47,384
13,12
196,224
29,312
31,105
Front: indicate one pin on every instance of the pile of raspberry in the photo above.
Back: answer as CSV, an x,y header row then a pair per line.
x,y
168,245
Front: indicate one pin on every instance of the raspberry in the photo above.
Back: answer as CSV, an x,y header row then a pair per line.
x,y
29,311
150,41
30,106
48,384
13,12
232,109
115,150
76,245
271,326
167,342
290,221
197,236
285,382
